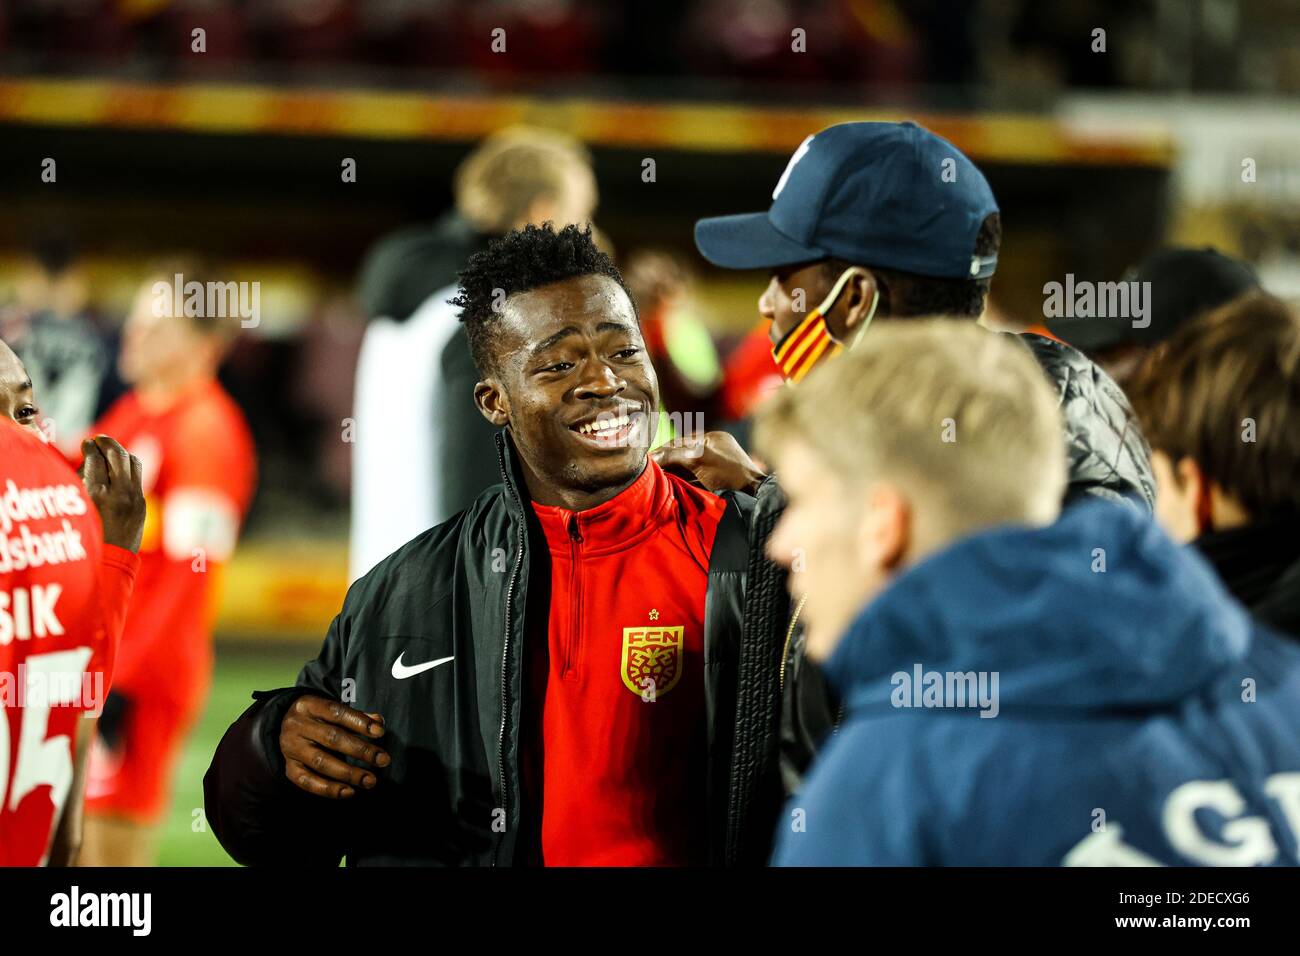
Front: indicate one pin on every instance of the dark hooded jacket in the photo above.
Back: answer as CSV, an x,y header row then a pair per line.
x,y
1084,694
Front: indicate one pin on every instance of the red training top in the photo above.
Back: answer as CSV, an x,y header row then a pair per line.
x,y
618,773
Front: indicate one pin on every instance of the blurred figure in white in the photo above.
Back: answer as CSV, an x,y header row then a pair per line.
x,y
421,450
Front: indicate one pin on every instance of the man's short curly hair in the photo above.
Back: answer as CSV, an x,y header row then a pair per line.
x,y
520,261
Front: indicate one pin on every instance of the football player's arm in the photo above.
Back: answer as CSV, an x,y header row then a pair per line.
x,y
66,845
116,582
112,480
117,571
210,478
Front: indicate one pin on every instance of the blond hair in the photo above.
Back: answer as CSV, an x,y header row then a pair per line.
x,y
961,418
510,170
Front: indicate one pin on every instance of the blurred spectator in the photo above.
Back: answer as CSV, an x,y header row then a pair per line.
x,y
199,469
422,450
315,31
320,389
815,41
749,375
1183,285
1220,405
956,49
539,36
679,343
53,330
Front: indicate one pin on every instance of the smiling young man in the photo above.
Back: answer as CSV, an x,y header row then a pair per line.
x,y
537,680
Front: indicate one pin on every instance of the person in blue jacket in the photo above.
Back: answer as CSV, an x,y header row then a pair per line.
x,y
1021,687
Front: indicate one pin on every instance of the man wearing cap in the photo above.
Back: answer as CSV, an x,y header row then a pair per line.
x,y
1183,284
874,220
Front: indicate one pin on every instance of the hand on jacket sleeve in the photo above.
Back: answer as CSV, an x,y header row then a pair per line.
x,y
317,733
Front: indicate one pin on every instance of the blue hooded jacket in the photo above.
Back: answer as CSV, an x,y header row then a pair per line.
x,y
1135,715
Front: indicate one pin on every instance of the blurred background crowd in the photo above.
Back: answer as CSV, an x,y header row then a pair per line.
x,y
978,49
128,137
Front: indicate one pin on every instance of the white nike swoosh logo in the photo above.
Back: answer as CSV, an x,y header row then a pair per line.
x,y
402,671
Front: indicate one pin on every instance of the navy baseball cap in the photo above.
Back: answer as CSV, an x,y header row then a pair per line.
x,y
892,195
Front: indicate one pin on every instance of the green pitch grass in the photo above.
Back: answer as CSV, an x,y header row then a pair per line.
x,y
240,670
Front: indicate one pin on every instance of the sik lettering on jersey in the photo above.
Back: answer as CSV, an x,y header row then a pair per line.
x,y
56,646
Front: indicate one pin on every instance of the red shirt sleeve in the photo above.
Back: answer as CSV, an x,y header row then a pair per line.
x,y
117,570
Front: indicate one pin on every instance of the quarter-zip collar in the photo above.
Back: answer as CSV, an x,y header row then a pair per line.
x,y
618,524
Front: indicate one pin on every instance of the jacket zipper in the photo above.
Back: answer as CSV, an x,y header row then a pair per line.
x,y
575,589
785,656
505,654
789,639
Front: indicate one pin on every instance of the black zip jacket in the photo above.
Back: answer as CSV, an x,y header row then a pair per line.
x,y
451,795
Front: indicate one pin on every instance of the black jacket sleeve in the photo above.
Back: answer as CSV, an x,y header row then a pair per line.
x,y
1108,457
257,815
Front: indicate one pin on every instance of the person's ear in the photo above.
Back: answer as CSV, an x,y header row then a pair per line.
x,y
858,298
1196,489
493,403
885,531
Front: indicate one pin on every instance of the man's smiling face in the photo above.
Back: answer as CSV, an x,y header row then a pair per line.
x,y
575,386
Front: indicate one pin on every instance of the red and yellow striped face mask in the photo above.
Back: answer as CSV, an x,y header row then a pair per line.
x,y
811,341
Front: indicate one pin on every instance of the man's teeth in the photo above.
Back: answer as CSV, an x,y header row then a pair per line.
x,y
604,425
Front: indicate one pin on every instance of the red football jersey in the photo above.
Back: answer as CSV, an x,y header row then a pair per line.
x,y
199,470
63,596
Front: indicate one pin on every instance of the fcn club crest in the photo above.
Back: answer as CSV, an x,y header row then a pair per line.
x,y
652,654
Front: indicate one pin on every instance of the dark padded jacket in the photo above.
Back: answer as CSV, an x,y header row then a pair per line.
x,y
451,795
1108,458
